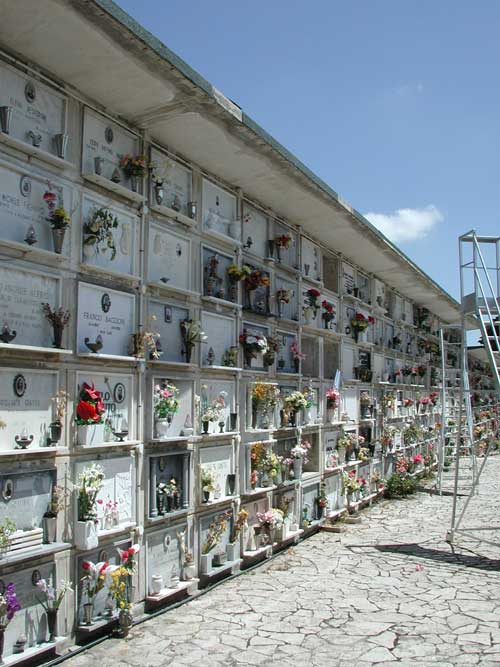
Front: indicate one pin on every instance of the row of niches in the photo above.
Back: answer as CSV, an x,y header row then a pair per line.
x,y
39,411
35,117
104,325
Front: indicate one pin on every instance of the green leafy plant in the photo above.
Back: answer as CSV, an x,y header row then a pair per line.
x,y
98,231
7,527
400,486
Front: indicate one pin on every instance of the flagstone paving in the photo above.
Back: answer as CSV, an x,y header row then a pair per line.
x,y
386,592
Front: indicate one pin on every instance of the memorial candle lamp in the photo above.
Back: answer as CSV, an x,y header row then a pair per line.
x,y
24,440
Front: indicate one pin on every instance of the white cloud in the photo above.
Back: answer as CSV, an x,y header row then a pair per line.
x,y
406,224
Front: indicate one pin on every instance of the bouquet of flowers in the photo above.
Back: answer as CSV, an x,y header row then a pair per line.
x,y
309,396
215,411
57,215
207,479
264,396
402,465
387,437
215,532
351,482
312,295
90,482
99,230
90,408
134,165
266,519
332,398
359,322
165,400
283,295
365,398
408,402
236,274
295,401
273,347
253,344
301,451
49,596
417,459
322,498
434,397
255,278
284,241
296,353
239,524
9,605
271,464
94,578
328,313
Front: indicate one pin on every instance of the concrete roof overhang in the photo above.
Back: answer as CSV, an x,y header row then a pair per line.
x,y
96,49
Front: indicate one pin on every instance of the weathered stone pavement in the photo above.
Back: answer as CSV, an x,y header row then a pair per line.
x,y
387,592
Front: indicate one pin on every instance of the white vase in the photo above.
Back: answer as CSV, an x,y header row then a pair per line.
x,y
188,571
308,315
90,434
235,229
156,583
330,415
232,551
206,563
308,416
161,428
85,536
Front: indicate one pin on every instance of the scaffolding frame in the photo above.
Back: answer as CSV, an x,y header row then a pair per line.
x,y
483,304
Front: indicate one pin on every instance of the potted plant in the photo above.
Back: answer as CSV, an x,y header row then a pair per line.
x,y
299,457
89,415
135,167
213,537
98,233
51,597
165,405
60,402
58,218
59,319
191,333
207,483
9,606
292,404
57,504
90,482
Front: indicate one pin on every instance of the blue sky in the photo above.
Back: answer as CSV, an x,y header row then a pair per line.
x,y
395,104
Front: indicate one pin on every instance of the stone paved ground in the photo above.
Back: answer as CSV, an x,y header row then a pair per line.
x,y
341,600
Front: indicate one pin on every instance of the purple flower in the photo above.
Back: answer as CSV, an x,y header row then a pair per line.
x,y
12,602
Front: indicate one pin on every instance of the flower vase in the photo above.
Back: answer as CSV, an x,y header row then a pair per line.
x,y
205,426
57,331
188,571
232,551
308,416
206,563
355,333
89,434
161,427
125,621
133,183
297,468
85,535
55,428
52,624
156,583
308,315
330,415
49,529
233,293
270,249
159,193
58,239
250,298
211,284
296,365
248,355
88,612
206,496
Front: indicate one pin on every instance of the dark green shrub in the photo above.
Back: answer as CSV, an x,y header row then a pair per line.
x,y
399,486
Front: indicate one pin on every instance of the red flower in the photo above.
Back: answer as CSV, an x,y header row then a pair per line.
x,y
371,320
360,316
92,393
100,409
49,196
104,567
87,411
86,565
313,292
125,555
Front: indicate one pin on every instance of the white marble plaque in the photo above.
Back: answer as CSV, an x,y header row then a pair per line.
x,y
166,322
350,397
334,492
116,391
348,357
103,138
25,405
36,108
25,497
169,258
21,296
124,240
20,211
119,486
309,495
177,181
311,259
219,460
31,620
219,210
221,336
107,314
255,230
164,555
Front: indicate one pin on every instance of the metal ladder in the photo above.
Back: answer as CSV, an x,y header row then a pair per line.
x,y
482,305
451,390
